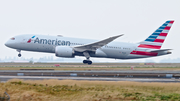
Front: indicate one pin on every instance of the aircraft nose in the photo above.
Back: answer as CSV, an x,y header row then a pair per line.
x,y
8,43
11,43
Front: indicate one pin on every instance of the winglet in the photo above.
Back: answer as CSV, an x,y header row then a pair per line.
x,y
114,37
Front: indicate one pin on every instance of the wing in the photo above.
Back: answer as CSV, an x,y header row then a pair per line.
x,y
94,46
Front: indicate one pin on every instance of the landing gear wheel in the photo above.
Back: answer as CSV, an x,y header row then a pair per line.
x,y
89,62
85,61
19,55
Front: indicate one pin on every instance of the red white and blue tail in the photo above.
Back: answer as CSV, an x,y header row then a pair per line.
x,y
156,39
152,45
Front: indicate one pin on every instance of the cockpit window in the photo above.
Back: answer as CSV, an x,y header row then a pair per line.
x,y
12,38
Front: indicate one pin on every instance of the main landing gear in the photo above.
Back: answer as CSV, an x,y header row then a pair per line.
x,y
19,55
89,62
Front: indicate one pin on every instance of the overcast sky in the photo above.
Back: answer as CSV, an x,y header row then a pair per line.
x,y
94,19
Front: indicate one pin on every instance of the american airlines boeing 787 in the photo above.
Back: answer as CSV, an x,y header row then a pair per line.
x,y
70,47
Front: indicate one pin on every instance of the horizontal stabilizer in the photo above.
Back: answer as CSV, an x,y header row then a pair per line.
x,y
160,50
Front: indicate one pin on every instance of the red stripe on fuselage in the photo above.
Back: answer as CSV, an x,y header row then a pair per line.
x,y
149,46
144,53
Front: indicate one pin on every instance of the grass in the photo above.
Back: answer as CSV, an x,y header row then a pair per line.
x,y
72,90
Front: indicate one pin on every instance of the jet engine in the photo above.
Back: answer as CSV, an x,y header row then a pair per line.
x,y
64,51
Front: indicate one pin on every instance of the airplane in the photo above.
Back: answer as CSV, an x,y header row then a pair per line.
x,y
70,47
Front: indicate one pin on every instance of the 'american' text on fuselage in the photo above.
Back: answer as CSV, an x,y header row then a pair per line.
x,y
52,42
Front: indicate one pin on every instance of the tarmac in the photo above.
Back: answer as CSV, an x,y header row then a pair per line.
x,y
5,78
14,64
101,75
98,75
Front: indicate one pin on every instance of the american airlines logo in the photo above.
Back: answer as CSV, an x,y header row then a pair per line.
x,y
51,42
30,39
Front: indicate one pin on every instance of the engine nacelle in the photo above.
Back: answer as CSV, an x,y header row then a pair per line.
x,y
64,51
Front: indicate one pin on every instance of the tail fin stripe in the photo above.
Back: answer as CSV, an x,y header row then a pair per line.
x,y
156,33
169,25
167,28
153,36
165,31
149,46
171,22
159,40
165,24
163,34
159,30
161,37
151,40
168,21
151,43
162,27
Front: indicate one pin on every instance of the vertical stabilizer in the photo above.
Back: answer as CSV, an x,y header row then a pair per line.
x,y
156,39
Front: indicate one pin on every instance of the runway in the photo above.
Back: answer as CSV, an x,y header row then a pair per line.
x,y
93,73
98,75
14,64
5,78
90,74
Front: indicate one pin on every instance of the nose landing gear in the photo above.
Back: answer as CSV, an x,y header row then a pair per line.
x,y
19,55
